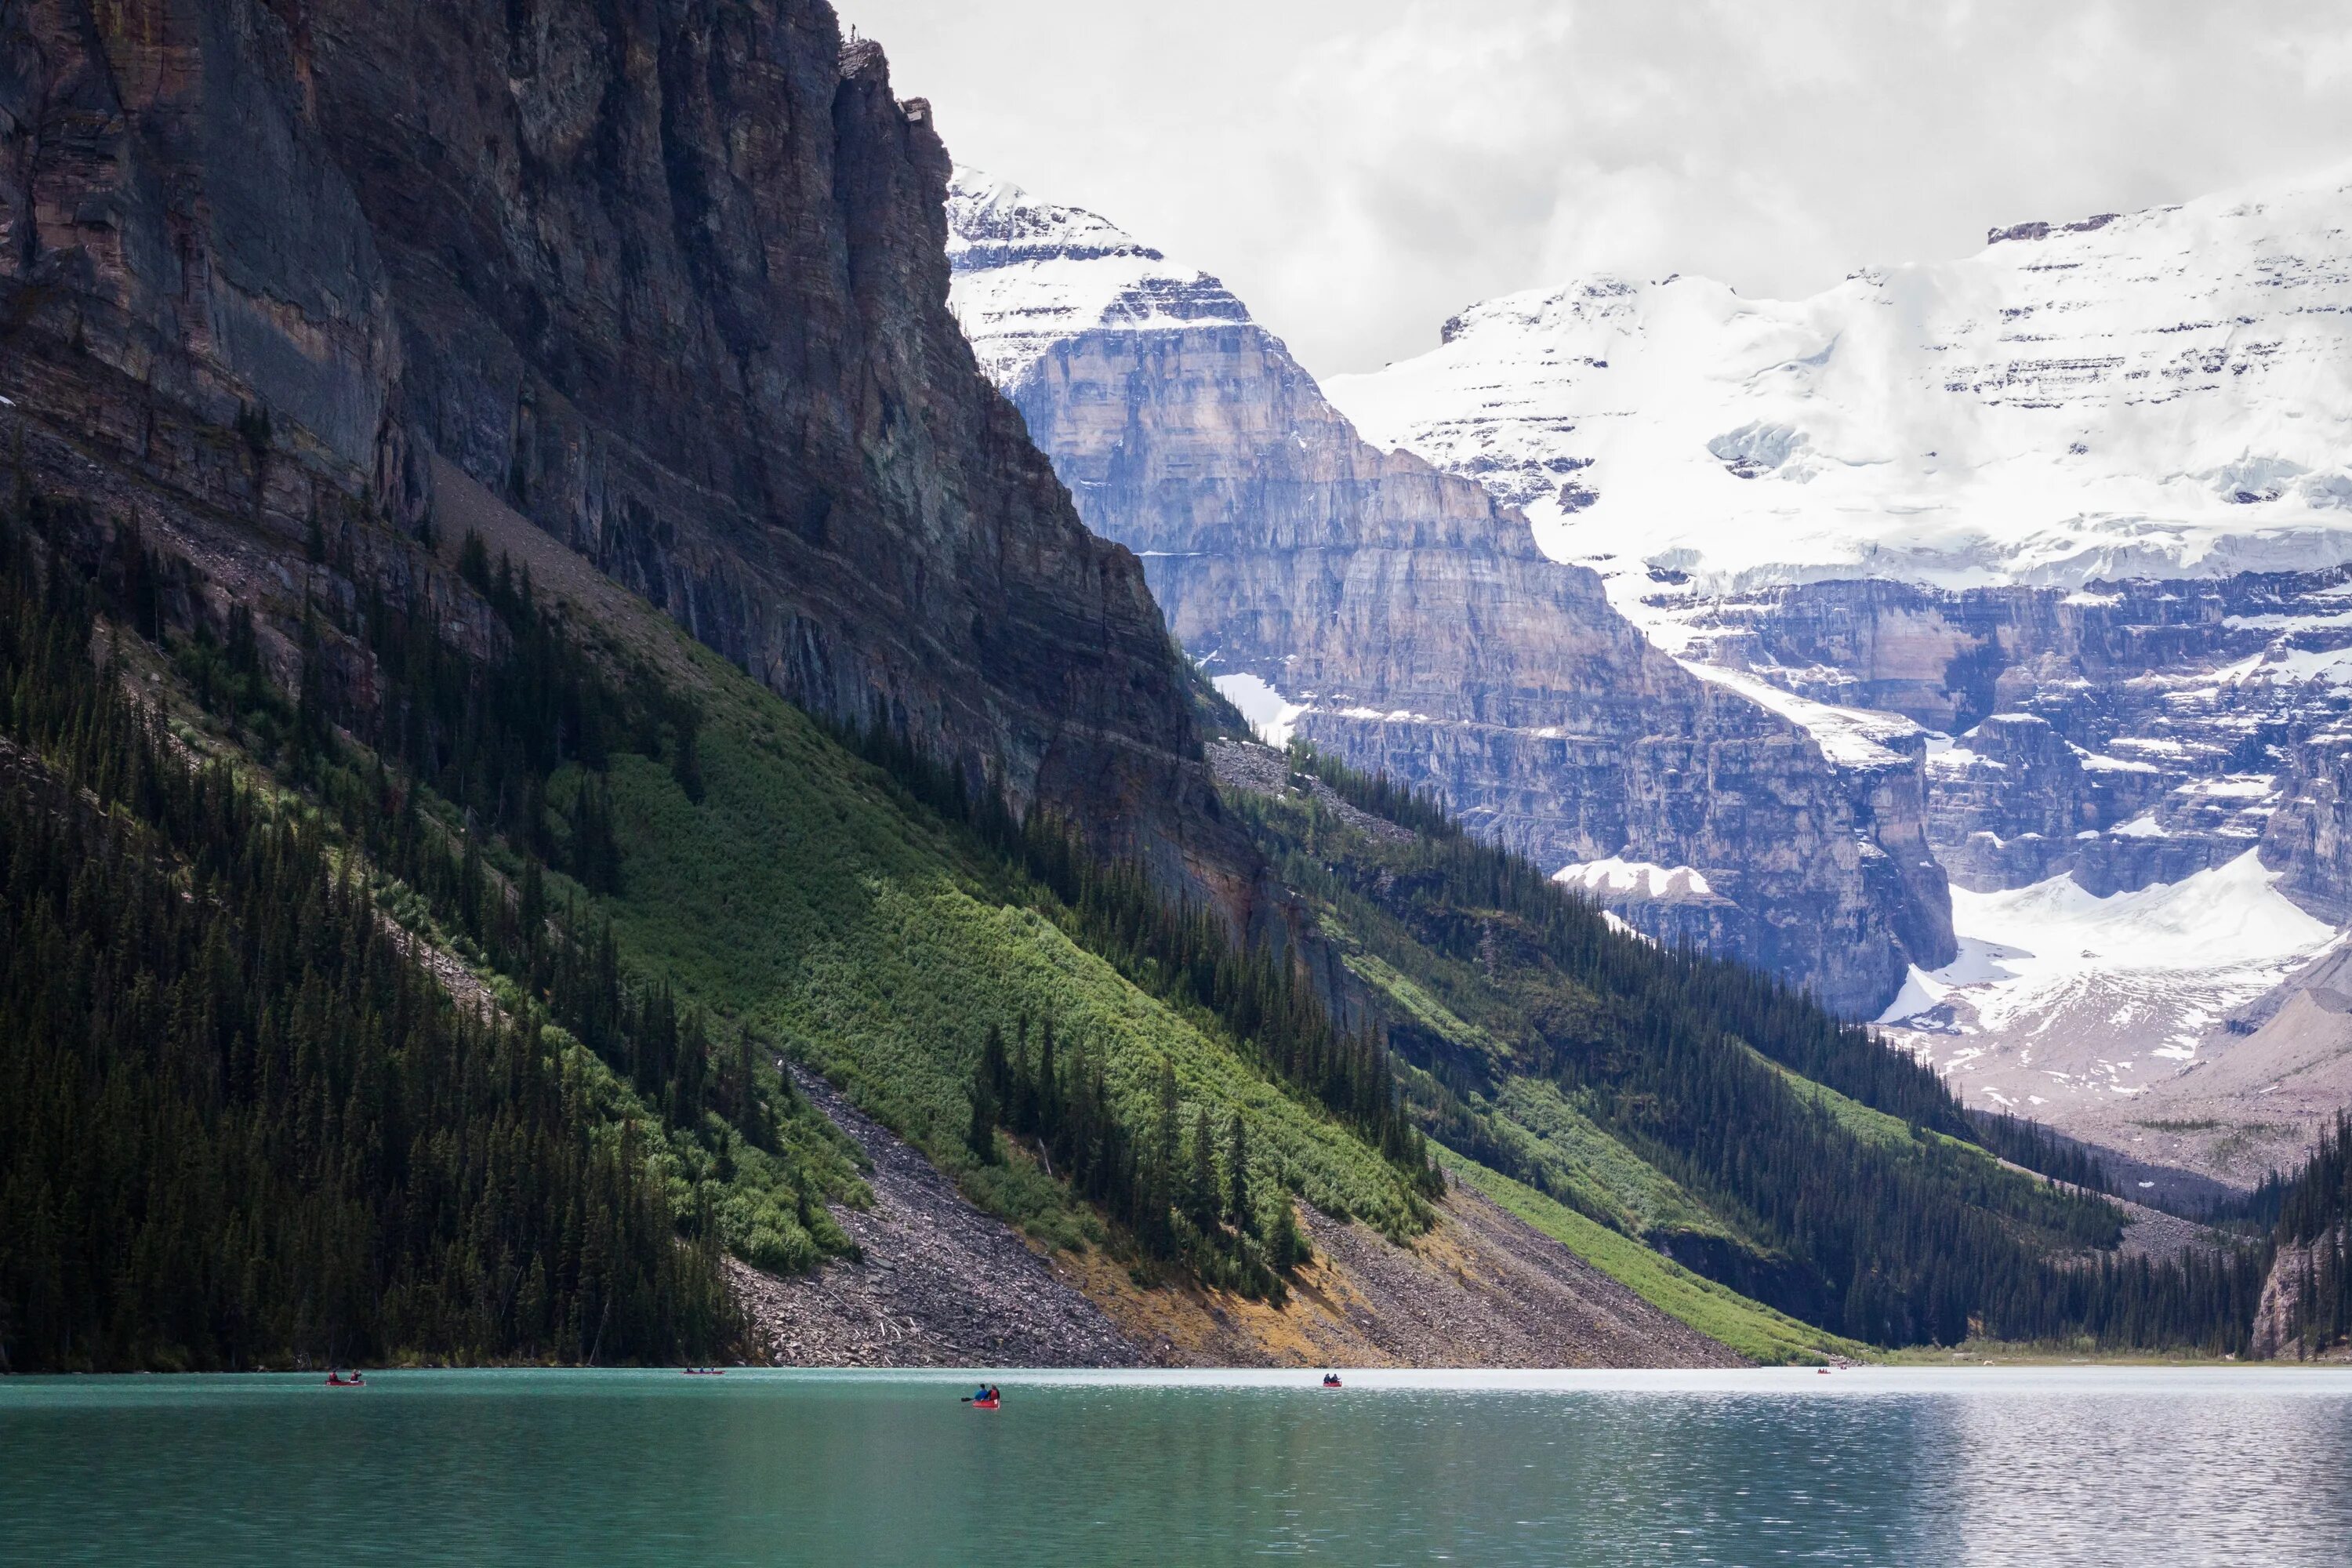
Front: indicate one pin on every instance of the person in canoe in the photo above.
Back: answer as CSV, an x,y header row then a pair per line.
x,y
1331,1380
984,1397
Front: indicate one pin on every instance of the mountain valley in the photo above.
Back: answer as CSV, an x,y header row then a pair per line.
x,y
577,786
2073,508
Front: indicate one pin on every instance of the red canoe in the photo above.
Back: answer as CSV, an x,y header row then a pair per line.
x,y
983,1405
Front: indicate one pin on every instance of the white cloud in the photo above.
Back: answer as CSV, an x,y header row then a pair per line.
x,y
1357,170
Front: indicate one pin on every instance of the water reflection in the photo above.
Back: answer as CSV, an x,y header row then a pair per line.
x,y
1977,1466
2196,1467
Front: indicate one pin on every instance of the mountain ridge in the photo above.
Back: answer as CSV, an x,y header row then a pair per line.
x,y
2042,412
437,444
675,292
2073,506
1412,626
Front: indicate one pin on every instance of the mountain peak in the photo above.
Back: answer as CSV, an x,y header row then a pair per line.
x,y
1029,273
994,223
2162,393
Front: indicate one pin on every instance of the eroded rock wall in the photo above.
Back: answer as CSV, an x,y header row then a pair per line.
x,y
2278,1333
2125,734
1416,627
670,280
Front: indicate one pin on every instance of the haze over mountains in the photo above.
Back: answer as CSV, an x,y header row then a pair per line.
x,y
2046,541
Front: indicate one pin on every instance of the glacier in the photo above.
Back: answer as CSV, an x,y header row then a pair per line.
x,y
2072,513
2047,551
2163,393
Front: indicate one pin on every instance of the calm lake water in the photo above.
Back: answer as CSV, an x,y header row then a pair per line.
x,y
1880,1466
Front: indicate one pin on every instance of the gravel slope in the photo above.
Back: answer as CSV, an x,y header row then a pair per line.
x,y
941,1284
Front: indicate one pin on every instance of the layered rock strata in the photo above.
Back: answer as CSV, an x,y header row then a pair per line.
x,y
670,282
2125,734
2078,506
2093,473
1407,622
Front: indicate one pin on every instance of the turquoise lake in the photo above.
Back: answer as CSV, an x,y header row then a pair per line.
x,y
2025,1466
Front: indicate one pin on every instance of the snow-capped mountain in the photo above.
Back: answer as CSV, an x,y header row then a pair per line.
x,y
2163,393
1030,274
1406,620
2077,507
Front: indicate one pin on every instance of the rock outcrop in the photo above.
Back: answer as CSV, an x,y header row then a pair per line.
x,y
670,281
2278,1331
2013,802
2309,835
1407,622
2125,734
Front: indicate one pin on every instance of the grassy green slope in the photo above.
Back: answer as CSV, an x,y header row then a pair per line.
x,y
1870,1125
1540,1131
767,1203
770,879
1615,1083
808,895
1582,1159
1754,1330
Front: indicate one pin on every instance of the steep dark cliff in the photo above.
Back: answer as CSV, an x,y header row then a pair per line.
x,y
668,278
1412,626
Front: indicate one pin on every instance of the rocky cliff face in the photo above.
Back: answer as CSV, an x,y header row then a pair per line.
x,y
2278,1331
670,281
2124,733
2076,507
2138,786
2309,836
1404,620
2094,473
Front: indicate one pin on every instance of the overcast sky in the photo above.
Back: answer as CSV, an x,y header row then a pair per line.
x,y
1357,170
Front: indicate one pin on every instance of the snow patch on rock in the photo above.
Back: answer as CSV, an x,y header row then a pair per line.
x,y
1029,274
1850,737
2065,992
1269,713
1618,881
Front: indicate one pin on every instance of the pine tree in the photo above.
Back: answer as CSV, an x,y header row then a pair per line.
x,y
1168,1151
979,1135
1239,1207
1286,1247
1203,1203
